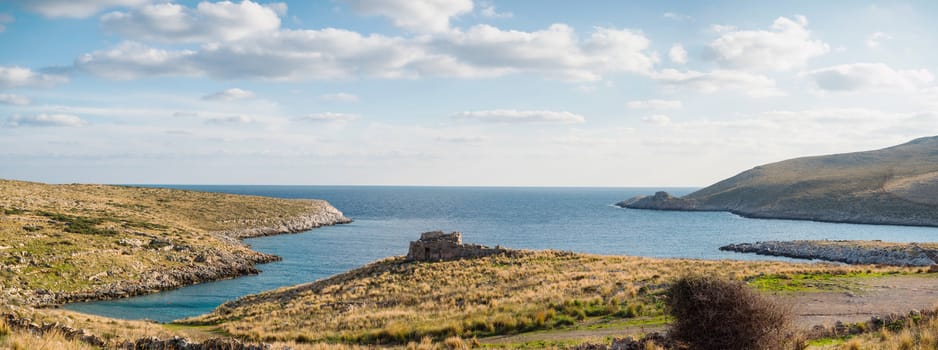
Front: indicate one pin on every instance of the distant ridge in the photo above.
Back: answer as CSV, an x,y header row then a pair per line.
x,y
896,186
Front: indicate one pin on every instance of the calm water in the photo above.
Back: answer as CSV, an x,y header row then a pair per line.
x,y
387,218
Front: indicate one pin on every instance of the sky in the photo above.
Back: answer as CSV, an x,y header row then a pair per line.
x,y
454,92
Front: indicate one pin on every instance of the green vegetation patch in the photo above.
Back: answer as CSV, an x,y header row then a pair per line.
x,y
79,224
812,282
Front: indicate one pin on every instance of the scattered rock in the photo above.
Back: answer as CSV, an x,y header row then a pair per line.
x,y
850,252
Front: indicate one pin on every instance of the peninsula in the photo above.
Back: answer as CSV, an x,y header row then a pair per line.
x,y
896,186
67,243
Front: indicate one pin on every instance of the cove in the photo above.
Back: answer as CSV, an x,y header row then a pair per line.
x,y
388,218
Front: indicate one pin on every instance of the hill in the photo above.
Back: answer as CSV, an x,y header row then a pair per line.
x,y
395,301
896,185
63,243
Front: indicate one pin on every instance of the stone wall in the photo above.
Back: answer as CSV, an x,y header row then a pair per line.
x,y
440,246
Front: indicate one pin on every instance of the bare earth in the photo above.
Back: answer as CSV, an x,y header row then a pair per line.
x,y
870,297
867,297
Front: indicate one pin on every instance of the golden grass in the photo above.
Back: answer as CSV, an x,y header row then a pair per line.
x,y
22,340
394,302
82,238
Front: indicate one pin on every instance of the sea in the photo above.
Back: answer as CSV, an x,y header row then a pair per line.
x,y
387,218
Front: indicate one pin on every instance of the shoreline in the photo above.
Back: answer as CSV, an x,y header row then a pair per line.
x,y
223,265
748,215
845,251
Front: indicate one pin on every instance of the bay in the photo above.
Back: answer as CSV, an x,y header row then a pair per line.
x,y
387,218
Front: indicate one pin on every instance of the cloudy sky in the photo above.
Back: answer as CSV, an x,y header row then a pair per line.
x,y
454,92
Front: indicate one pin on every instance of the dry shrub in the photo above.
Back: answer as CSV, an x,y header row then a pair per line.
x,y
720,314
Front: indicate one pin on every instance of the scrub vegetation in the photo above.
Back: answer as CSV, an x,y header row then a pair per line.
x,y
96,241
394,301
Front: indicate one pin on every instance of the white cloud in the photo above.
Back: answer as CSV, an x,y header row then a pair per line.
x,y
655,104
929,98
461,139
869,77
131,60
522,116
5,19
340,97
657,119
235,119
753,84
787,45
556,52
231,94
329,117
677,54
11,99
676,16
220,21
482,51
488,10
420,16
14,76
720,28
76,8
46,120
876,39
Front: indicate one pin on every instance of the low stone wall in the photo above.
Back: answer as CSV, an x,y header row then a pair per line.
x,y
850,252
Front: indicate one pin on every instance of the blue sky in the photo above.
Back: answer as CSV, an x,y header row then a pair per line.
x,y
453,92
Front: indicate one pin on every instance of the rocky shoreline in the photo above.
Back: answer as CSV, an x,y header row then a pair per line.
x,y
850,252
321,214
206,267
858,215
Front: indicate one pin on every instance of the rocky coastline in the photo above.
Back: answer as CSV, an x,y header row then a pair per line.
x,y
659,201
205,267
849,252
321,213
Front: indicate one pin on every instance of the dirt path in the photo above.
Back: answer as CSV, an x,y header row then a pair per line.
x,y
867,297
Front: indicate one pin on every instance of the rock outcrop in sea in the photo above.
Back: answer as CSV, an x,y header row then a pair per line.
x,y
850,252
659,201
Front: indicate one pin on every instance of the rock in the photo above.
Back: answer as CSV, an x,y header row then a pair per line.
x,y
317,216
660,201
850,252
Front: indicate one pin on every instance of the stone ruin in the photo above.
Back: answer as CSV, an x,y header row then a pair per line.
x,y
440,246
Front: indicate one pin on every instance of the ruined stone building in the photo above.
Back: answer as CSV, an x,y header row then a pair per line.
x,y
439,246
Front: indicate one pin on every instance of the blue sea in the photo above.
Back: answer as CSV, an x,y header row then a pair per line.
x,y
387,218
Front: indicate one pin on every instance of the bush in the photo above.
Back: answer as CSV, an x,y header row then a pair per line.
x,y
712,313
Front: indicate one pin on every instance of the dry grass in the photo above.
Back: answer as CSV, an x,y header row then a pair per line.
x,y
395,302
21,340
913,334
82,238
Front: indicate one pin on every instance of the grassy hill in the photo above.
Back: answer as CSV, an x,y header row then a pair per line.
x,y
394,301
895,185
62,243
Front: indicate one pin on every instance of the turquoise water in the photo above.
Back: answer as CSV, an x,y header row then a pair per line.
x,y
387,218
